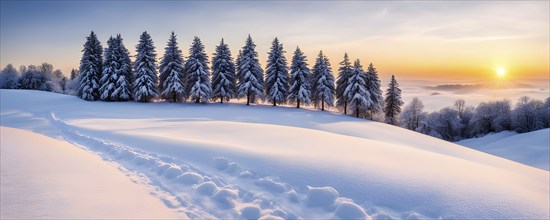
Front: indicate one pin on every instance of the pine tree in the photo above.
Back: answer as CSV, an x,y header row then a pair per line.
x,y
172,81
373,86
198,74
322,83
344,74
238,73
74,74
110,66
223,74
123,72
90,69
356,92
251,76
276,82
299,91
145,75
393,102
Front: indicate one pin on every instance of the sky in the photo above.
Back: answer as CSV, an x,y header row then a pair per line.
x,y
460,40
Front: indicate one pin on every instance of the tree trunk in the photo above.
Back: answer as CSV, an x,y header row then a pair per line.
x,y
248,99
274,103
221,100
323,102
345,107
298,106
357,112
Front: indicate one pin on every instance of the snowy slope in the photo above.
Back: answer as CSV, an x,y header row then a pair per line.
x,y
231,160
532,148
45,178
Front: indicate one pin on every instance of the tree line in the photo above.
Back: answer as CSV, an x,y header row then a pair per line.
x,y
110,75
462,121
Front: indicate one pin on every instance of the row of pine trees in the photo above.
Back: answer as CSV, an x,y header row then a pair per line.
x,y
110,75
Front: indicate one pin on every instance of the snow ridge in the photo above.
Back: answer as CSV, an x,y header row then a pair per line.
x,y
227,190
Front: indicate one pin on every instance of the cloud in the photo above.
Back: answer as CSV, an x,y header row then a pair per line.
x,y
455,87
467,88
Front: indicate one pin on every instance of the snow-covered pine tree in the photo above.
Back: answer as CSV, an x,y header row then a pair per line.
x,y
172,81
238,74
74,74
90,69
373,86
393,102
344,74
276,79
356,93
110,65
145,74
123,72
322,82
251,75
197,73
223,74
299,91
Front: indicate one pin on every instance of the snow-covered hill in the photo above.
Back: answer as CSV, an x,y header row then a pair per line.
x,y
532,148
231,160
44,178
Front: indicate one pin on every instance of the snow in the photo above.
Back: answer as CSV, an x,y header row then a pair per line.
x,y
250,212
51,179
321,196
189,178
286,162
532,148
207,188
348,210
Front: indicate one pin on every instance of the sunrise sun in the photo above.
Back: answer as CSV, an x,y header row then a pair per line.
x,y
501,72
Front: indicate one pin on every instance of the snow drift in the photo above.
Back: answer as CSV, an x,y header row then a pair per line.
x,y
236,161
532,148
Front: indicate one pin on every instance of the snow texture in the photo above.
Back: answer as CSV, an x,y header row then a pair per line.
x,y
530,148
44,178
351,166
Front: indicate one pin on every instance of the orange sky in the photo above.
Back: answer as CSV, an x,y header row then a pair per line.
x,y
413,40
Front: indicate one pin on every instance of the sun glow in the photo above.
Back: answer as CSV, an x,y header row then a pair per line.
x,y
501,72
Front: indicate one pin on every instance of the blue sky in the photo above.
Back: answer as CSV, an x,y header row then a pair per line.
x,y
414,39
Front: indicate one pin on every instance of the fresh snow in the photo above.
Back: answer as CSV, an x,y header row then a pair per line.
x,y
532,148
51,179
237,161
